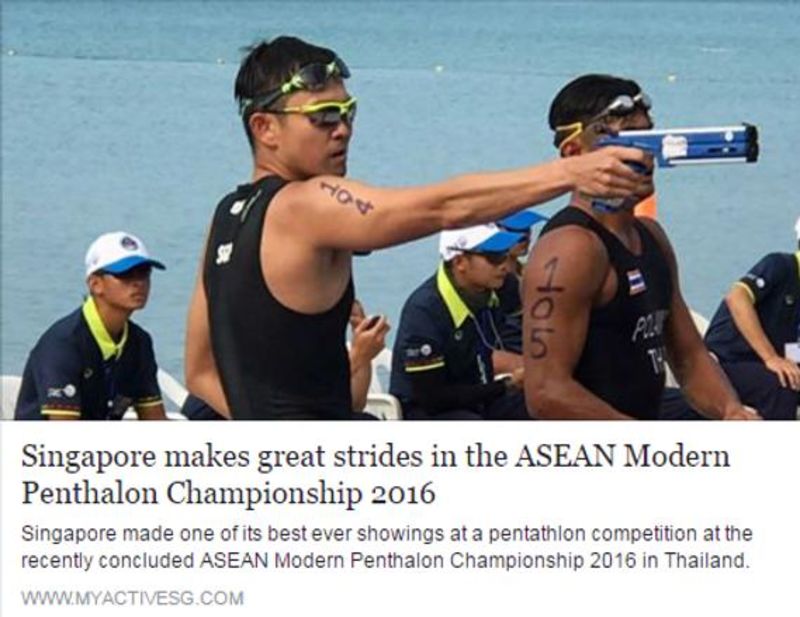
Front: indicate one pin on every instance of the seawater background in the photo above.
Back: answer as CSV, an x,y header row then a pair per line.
x,y
119,115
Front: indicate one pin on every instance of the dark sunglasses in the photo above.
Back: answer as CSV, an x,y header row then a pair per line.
x,y
494,258
325,114
312,77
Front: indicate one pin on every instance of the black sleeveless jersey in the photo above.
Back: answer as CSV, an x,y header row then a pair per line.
x,y
274,363
623,356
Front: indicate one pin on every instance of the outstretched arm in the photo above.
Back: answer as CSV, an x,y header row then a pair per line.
x,y
565,273
702,380
337,213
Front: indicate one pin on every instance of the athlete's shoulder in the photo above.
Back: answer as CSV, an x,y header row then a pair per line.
x,y
574,241
572,256
295,205
296,193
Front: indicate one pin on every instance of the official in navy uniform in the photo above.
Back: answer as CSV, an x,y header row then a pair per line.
x,y
448,345
755,333
95,363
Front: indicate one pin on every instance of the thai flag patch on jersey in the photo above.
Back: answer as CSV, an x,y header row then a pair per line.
x,y
636,282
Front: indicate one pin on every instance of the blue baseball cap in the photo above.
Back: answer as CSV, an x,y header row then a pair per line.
x,y
521,221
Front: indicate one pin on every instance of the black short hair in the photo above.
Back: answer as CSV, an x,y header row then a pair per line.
x,y
269,64
585,97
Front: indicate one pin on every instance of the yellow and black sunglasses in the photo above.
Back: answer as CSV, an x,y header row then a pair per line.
x,y
324,114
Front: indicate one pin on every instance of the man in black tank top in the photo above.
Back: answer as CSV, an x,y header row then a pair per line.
x,y
603,309
266,328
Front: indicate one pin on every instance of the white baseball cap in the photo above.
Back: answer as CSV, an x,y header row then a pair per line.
x,y
487,238
118,252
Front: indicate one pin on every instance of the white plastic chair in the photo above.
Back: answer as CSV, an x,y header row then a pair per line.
x,y
379,402
700,321
171,415
171,389
384,406
381,372
9,391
